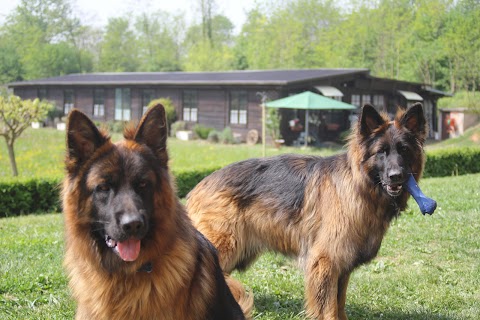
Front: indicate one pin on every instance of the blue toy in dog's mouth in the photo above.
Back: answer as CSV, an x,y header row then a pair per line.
x,y
426,205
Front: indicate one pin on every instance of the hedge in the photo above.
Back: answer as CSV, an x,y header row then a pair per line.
x,y
186,180
452,161
19,197
29,196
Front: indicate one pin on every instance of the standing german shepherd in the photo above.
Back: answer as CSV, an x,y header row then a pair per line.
x,y
131,250
331,213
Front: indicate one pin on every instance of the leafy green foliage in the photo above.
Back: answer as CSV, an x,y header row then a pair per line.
x,y
452,161
273,123
226,137
202,131
45,38
186,180
462,99
214,136
20,197
157,43
177,126
119,50
15,116
10,65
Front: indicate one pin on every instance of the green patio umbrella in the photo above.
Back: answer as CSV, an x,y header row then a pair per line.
x,y
309,101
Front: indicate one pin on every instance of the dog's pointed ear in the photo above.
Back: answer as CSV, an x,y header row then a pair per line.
x,y
83,138
152,132
414,119
369,120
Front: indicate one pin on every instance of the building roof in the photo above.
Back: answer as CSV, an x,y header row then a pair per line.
x,y
247,77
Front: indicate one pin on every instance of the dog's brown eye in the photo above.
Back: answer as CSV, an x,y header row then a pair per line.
x,y
403,149
142,184
383,150
103,187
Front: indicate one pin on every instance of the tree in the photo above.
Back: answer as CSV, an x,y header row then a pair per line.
x,y
15,116
158,38
44,33
289,34
212,52
462,45
119,47
10,64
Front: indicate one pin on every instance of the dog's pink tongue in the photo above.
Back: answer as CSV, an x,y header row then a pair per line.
x,y
129,249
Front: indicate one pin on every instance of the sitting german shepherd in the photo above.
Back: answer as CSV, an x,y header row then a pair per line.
x,y
131,250
331,213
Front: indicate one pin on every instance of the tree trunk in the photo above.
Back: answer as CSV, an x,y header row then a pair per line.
x,y
11,155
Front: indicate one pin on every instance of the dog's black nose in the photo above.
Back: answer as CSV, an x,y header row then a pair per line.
x,y
132,224
395,175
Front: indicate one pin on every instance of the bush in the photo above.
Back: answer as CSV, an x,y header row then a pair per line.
x,y
20,197
226,136
452,161
214,136
273,123
186,180
177,126
202,131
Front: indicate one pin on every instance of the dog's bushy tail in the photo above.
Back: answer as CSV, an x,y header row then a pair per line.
x,y
243,298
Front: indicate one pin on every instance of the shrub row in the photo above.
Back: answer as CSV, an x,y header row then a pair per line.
x,y
19,197
29,196
187,180
452,161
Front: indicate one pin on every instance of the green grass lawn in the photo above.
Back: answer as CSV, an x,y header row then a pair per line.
x,y
428,266
40,153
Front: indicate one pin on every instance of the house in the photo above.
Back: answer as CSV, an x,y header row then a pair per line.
x,y
230,98
454,121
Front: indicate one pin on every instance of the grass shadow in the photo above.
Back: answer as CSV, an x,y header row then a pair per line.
x,y
278,307
360,312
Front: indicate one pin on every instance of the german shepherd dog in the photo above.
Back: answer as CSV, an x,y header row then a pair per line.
x,y
331,213
131,250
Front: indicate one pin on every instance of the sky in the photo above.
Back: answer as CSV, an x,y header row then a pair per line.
x,y
97,12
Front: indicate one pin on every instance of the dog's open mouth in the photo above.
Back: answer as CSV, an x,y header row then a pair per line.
x,y
128,250
393,190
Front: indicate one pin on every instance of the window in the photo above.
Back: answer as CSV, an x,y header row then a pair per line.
x,y
68,101
356,100
379,102
238,107
366,98
122,104
98,103
190,106
147,96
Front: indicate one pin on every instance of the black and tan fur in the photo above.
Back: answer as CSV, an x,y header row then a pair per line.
x,y
119,192
331,213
